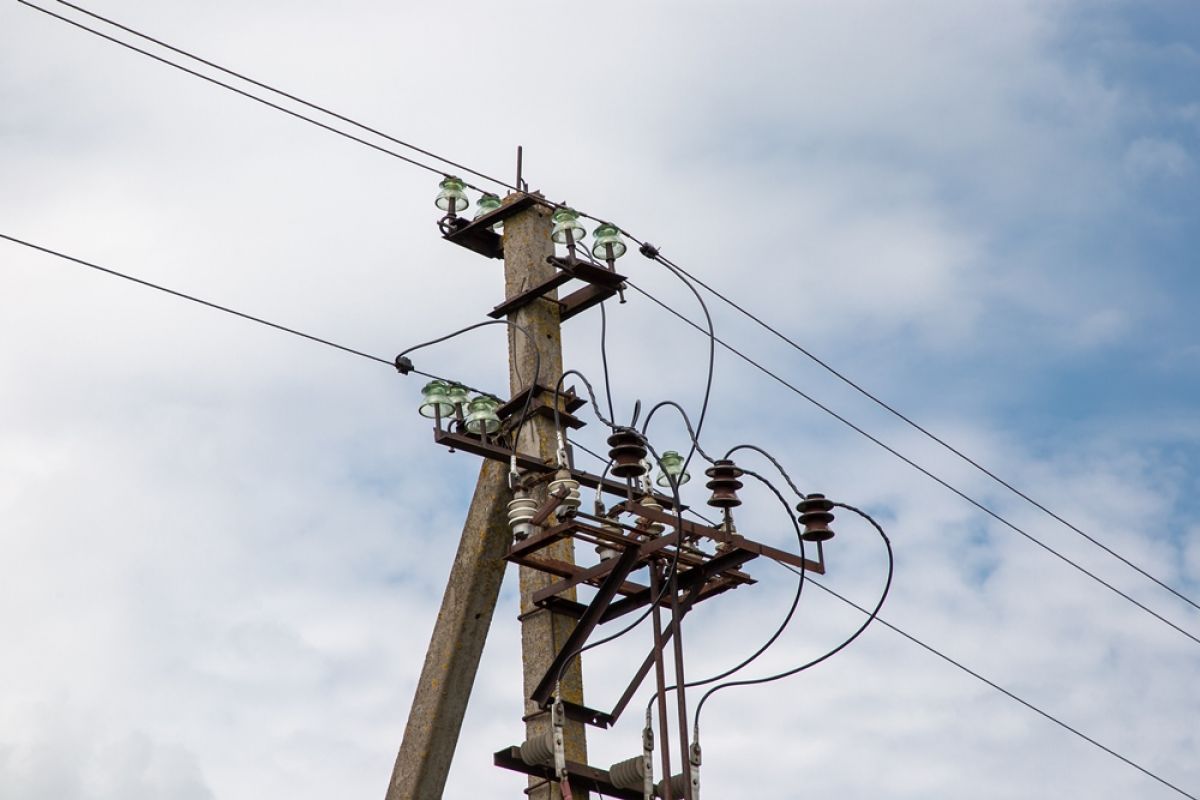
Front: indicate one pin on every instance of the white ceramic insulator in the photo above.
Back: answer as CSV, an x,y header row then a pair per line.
x,y
520,511
647,524
539,751
628,774
571,502
606,550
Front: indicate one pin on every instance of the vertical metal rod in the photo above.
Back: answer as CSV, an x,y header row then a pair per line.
x,y
520,167
660,677
680,680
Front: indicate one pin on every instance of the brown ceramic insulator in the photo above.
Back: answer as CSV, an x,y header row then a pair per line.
x,y
815,515
724,483
627,453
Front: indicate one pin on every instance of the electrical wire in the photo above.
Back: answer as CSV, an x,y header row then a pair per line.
x,y
712,356
942,482
604,359
194,299
820,362
289,96
926,432
675,268
787,619
537,366
244,93
1010,695
788,673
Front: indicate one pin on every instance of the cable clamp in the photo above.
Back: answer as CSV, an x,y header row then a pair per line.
x,y
404,365
557,715
648,250
694,759
647,763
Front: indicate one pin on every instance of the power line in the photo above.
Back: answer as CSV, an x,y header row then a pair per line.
x,y
201,301
242,92
1001,689
995,515
884,622
671,265
925,431
279,92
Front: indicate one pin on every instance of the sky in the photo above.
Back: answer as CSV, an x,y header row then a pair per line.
x,y
222,548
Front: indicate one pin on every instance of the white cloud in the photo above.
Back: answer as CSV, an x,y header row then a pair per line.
x,y
221,549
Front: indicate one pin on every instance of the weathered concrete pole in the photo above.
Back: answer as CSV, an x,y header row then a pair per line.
x,y
526,246
457,642
474,584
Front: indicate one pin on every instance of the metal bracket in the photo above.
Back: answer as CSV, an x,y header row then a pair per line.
x,y
602,284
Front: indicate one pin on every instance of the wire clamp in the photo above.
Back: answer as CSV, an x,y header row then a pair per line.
x,y
648,250
404,365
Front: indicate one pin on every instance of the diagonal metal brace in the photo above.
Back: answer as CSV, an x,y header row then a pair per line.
x,y
587,623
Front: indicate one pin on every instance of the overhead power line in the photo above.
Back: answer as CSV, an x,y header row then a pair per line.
x,y
1010,695
194,299
926,432
985,509
281,93
242,92
666,263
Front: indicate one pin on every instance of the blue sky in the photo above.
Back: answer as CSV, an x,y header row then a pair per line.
x,y
222,548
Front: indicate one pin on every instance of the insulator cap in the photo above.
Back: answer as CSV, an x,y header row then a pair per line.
x,y
724,483
627,453
816,512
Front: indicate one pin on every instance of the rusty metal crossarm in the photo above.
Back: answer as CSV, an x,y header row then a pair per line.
x,y
583,776
724,565
733,539
472,443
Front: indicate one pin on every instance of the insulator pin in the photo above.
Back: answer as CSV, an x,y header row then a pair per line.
x,y
627,453
539,751
564,480
520,511
815,515
724,483
606,549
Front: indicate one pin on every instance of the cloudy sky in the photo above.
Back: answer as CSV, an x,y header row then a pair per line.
x,y
222,548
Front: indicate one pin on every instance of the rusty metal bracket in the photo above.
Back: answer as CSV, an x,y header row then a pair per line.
x,y
602,284
478,236
473,443
582,776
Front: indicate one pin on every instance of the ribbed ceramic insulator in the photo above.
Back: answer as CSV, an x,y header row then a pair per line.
x,y
678,785
627,453
520,510
816,512
628,774
539,751
649,525
724,474
567,506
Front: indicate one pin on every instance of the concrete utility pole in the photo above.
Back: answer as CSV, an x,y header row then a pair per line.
x,y
527,245
474,584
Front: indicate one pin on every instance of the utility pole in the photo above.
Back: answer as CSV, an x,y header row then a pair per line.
x,y
462,624
527,245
